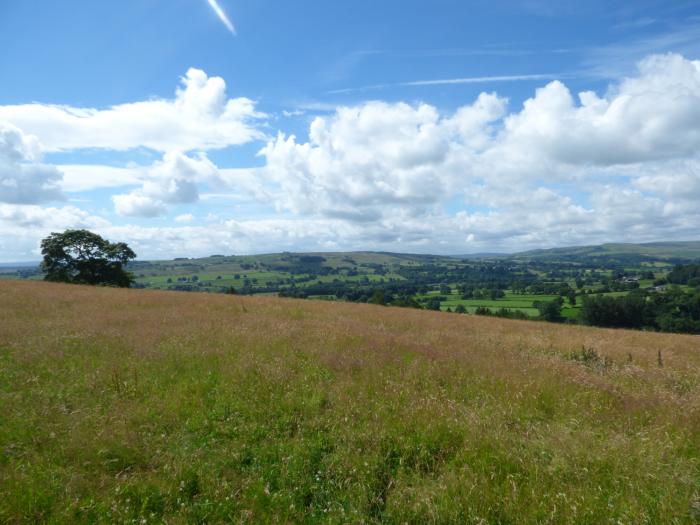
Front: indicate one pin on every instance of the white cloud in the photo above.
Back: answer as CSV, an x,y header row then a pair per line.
x,y
170,181
673,181
364,161
136,204
86,177
654,115
184,218
293,113
176,179
200,117
23,178
45,218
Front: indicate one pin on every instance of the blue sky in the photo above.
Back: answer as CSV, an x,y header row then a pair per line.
x,y
441,126
99,53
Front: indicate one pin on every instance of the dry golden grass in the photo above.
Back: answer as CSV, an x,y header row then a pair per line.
x,y
129,405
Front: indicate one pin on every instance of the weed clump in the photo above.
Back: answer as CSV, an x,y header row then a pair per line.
x,y
590,358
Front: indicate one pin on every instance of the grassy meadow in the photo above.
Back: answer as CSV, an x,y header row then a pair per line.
x,y
140,406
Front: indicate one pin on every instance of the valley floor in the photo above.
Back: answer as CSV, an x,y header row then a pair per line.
x,y
146,406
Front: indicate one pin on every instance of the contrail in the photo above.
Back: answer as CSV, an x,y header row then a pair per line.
x,y
222,15
449,81
477,80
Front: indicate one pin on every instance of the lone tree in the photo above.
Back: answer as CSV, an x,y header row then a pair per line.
x,y
83,257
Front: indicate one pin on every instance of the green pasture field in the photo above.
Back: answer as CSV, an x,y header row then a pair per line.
x,y
512,301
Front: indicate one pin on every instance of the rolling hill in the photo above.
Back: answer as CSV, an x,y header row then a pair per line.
x,y
687,251
149,406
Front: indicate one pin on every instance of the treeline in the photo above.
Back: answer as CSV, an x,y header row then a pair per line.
x,y
675,310
688,274
489,276
353,292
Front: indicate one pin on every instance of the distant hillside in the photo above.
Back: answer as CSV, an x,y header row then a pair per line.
x,y
663,251
481,255
139,406
275,272
660,251
284,259
17,265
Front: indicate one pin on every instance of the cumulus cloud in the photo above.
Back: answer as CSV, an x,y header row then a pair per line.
x,y
170,181
23,178
364,160
654,115
200,117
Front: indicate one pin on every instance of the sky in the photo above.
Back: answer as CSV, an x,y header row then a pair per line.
x,y
195,127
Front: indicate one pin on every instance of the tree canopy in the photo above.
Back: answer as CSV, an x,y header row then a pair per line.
x,y
83,257
683,274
